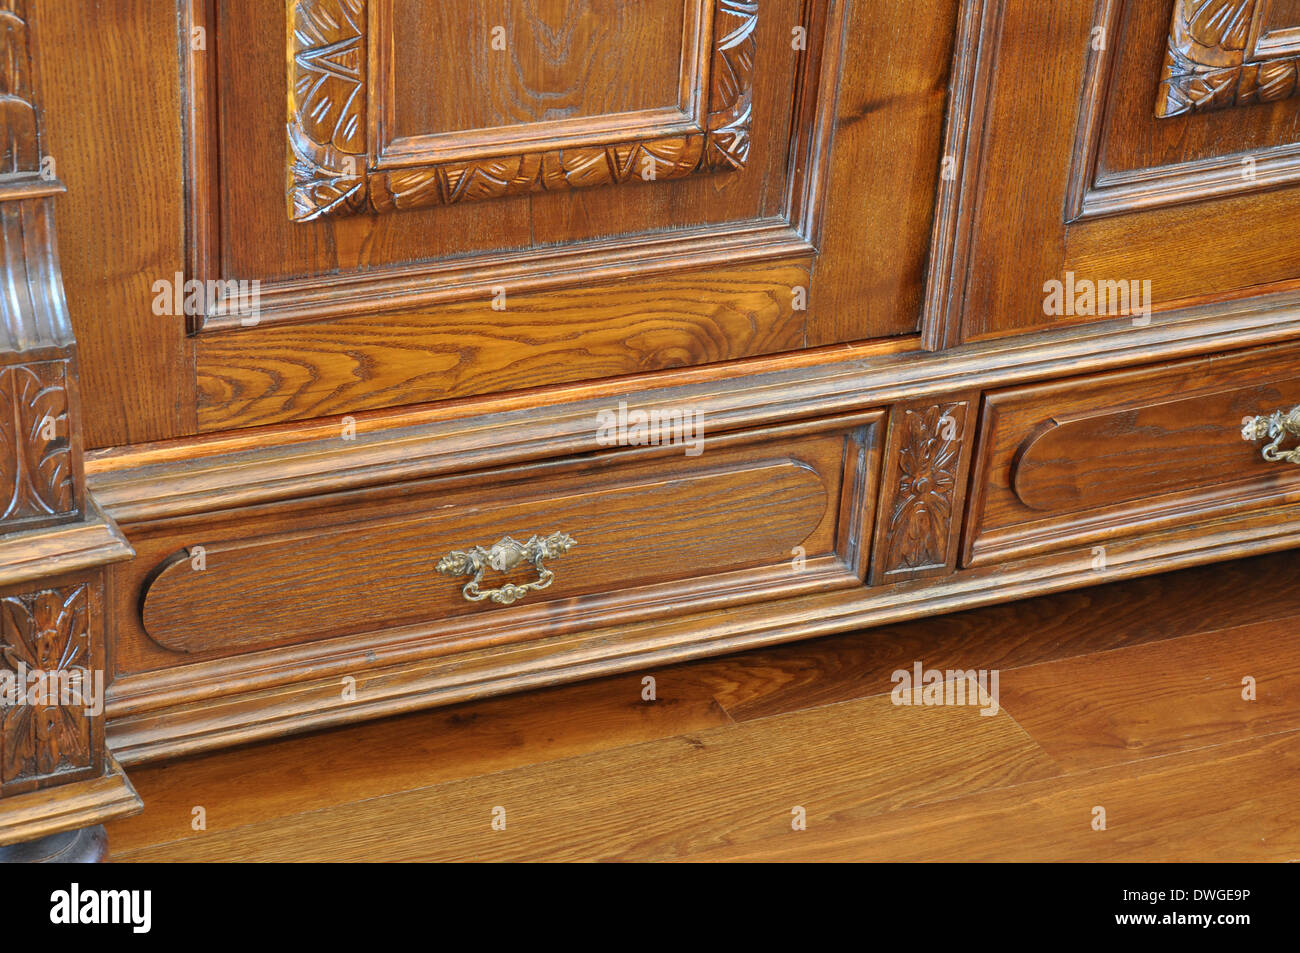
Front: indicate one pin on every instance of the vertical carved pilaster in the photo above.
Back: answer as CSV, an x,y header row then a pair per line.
x,y
926,464
54,543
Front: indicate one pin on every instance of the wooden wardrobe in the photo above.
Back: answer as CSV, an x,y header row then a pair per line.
x,y
361,356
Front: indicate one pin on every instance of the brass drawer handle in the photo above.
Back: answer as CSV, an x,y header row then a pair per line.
x,y
1275,428
503,557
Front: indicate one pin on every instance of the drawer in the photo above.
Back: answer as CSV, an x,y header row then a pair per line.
x,y
1068,464
608,537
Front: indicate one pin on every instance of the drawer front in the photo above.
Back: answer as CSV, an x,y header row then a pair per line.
x,y
1066,464
650,531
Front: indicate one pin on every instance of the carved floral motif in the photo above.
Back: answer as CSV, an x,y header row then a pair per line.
x,y
328,172
1210,63
46,632
36,478
920,520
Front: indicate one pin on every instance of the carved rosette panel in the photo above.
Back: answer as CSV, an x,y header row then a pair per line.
x,y
35,460
329,155
924,495
45,633
1212,62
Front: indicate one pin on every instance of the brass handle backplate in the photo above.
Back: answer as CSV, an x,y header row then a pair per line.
x,y
506,555
1275,428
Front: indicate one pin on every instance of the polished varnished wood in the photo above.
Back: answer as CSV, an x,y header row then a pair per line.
x,y
856,759
1233,804
1019,636
454,263
120,226
653,530
55,773
1227,53
1197,684
175,711
1069,464
1120,706
362,136
251,143
270,375
225,470
264,782
887,154
1091,105
52,811
375,263
1129,158
924,488
314,772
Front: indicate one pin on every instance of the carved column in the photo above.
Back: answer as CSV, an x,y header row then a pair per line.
x,y
57,781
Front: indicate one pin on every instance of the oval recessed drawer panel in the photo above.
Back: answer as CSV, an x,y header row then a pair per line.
x,y
641,527
1065,464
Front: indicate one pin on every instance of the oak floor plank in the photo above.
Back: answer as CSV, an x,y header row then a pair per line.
x,y
1063,625
1151,700
665,799
1228,803
266,781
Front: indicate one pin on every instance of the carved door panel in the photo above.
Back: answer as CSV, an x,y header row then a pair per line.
x,y
454,198
1149,155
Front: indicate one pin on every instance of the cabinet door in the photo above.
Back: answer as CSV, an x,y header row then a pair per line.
x,y
1137,155
448,198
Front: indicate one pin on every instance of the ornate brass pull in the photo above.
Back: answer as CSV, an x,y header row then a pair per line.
x,y
503,557
1275,428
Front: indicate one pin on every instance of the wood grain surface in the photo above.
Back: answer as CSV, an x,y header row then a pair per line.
x,y
275,374
1065,464
1125,697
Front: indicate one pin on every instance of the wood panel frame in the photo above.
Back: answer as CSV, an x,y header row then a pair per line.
x,y
847,524
1048,521
187,484
687,117
1094,193
791,234
347,44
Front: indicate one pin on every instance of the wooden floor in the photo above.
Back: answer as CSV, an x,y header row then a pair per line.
x,y
1125,698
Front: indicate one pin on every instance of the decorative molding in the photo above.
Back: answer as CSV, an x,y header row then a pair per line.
x,y
920,509
163,722
54,541
974,72
787,232
1093,192
36,478
37,814
46,632
331,162
40,466
327,108
1067,465
135,484
353,573
20,150
1219,57
526,270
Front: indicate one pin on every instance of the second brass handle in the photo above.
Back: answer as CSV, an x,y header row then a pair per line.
x,y
504,555
1276,428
